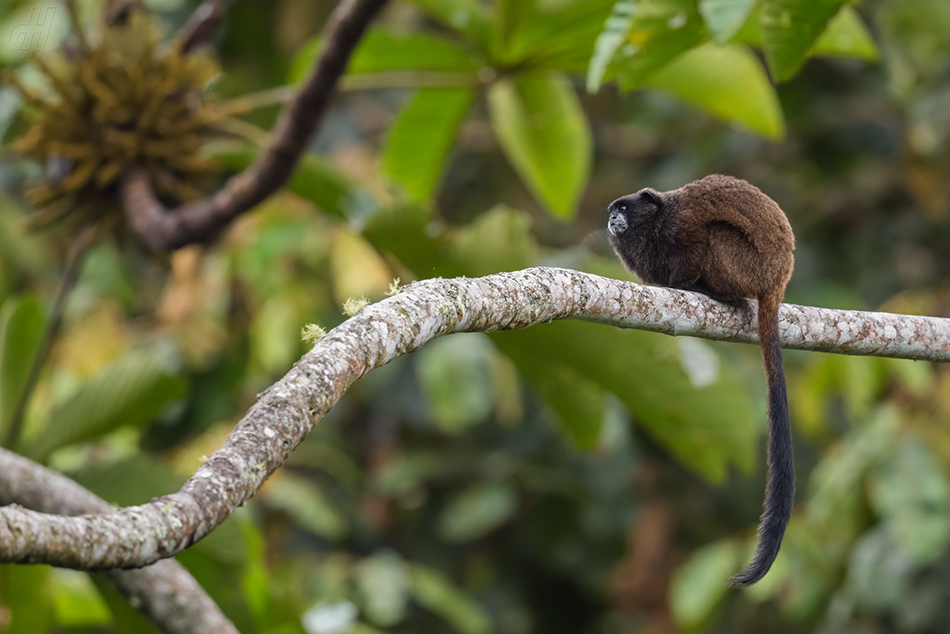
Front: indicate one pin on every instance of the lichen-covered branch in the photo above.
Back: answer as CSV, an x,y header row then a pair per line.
x,y
198,221
282,416
164,592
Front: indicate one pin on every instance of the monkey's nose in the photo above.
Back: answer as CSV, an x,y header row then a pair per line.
x,y
617,223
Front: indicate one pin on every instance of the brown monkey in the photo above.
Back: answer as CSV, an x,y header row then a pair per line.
x,y
723,237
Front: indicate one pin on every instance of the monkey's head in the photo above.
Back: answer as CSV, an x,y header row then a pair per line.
x,y
633,211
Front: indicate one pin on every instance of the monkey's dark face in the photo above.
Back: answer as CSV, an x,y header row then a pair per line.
x,y
630,211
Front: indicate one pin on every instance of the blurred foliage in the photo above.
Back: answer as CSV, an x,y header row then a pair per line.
x,y
567,478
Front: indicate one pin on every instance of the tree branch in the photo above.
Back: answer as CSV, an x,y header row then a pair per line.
x,y
168,229
74,261
285,412
164,592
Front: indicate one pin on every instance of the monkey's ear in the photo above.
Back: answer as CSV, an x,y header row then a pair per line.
x,y
652,197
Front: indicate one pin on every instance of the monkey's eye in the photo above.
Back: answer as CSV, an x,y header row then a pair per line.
x,y
622,207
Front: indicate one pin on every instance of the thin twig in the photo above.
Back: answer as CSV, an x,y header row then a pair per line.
x,y
168,229
364,81
243,130
77,254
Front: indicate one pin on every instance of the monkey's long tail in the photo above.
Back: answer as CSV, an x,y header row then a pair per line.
x,y
780,488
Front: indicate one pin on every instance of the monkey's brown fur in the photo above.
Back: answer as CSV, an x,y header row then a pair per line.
x,y
723,237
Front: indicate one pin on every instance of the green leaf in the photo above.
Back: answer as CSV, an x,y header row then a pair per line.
x,y
512,17
454,377
610,39
724,18
22,322
421,137
306,504
562,37
706,428
469,17
407,234
128,392
578,404
699,586
128,482
76,601
790,28
438,595
846,36
543,132
25,593
662,29
729,82
911,492
384,581
880,575
477,512
843,466
273,333
381,51
498,240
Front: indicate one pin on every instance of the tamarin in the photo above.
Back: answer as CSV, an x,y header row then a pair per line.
x,y
723,237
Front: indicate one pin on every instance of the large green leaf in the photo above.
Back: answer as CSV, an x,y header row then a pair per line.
x,y
707,428
471,18
422,135
437,594
22,322
662,29
498,240
698,587
846,36
729,82
578,404
543,131
724,18
403,232
611,37
560,37
128,392
790,28
511,17
381,51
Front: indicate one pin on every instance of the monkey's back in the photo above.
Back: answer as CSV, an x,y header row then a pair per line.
x,y
740,239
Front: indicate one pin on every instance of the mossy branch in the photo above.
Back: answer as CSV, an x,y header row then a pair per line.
x,y
165,593
285,412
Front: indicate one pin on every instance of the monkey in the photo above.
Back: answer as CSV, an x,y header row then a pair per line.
x,y
721,236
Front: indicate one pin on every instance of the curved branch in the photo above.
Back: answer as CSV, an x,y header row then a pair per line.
x,y
285,412
164,592
168,229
